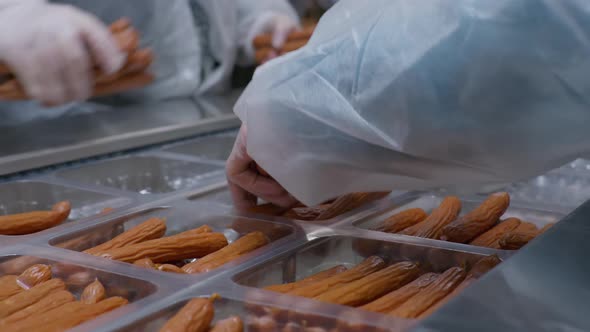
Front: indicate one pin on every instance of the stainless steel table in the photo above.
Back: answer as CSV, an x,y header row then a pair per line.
x,y
110,129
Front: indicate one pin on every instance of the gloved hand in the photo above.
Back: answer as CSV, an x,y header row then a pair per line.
x,y
51,48
279,25
246,183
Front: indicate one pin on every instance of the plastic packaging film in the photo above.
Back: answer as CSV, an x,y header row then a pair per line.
x,y
393,94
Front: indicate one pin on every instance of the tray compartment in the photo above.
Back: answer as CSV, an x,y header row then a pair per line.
x,y
260,317
77,277
562,189
216,147
178,219
27,196
142,174
429,201
219,196
324,253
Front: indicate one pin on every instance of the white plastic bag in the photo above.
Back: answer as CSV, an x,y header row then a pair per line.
x,y
399,94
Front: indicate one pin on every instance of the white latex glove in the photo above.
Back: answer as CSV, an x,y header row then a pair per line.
x,y
278,25
52,48
246,183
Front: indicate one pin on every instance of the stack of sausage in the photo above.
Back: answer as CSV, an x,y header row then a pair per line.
x,y
263,43
481,226
145,245
325,211
401,289
132,75
35,301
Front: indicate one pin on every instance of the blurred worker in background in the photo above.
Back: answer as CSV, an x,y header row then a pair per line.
x,y
51,48
196,44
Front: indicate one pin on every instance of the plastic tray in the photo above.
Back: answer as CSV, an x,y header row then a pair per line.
x,y
142,174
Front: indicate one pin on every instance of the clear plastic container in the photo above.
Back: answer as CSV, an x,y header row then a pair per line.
x,y
142,174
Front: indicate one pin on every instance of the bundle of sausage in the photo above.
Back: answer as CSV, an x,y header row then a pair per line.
x,y
35,301
263,43
401,289
132,75
481,227
325,211
145,245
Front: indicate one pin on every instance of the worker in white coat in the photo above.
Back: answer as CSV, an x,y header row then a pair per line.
x,y
196,44
416,95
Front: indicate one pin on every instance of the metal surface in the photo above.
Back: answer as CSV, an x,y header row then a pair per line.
x,y
110,129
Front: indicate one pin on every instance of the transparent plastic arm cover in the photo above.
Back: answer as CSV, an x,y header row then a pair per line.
x,y
400,94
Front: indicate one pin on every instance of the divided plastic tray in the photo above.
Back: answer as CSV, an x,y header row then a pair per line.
x,y
540,216
184,183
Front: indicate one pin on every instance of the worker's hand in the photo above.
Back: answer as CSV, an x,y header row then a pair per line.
x,y
246,183
51,48
278,25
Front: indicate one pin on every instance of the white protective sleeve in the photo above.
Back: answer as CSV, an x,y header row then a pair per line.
x,y
399,94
